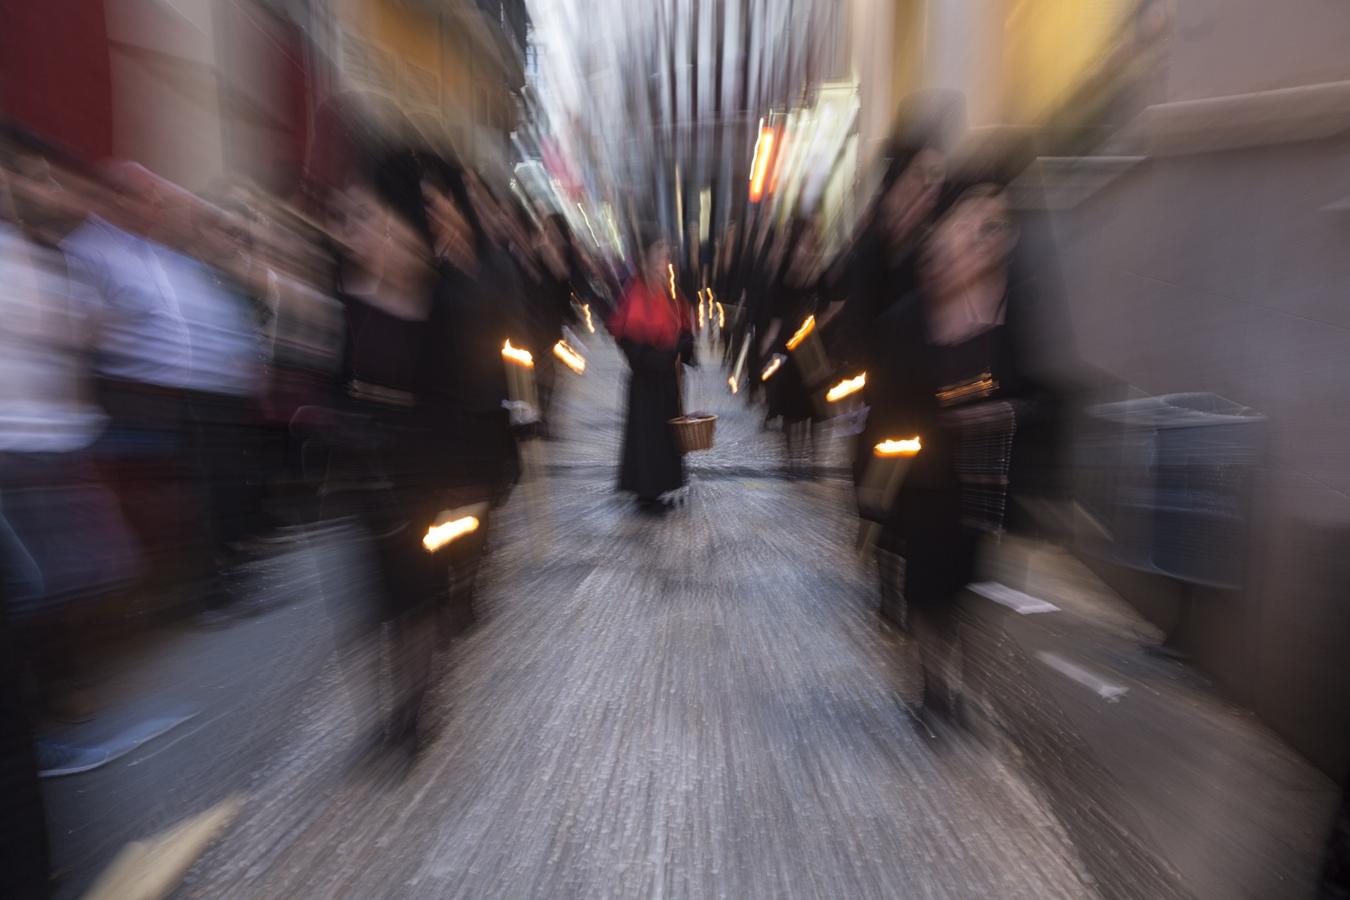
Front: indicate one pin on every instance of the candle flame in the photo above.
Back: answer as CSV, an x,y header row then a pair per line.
x,y
586,311
517,355
807,327
731,381
438,536
700,309
721,315
899,447
571,358
846,387
670,267
772,367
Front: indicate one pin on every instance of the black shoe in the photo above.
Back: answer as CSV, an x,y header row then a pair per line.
x,y
652,508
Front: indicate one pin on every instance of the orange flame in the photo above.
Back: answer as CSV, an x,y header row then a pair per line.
x,y
438,536
898,447
517,355
846,387
586,311
670,267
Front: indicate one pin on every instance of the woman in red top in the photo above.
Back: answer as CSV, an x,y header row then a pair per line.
x,y
652,328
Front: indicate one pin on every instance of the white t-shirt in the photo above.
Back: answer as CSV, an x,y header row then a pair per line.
x,y
45,402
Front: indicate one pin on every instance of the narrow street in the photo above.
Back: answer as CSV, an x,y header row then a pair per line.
x,y
695,706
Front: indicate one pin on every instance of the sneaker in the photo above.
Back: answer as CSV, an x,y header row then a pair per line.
x,y
56,759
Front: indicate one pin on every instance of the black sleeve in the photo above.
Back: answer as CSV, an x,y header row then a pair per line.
x,y
685,350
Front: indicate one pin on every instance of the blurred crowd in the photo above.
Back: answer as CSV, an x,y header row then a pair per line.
x,y
191,378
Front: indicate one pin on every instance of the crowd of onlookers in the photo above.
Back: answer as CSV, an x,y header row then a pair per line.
x,y
188,378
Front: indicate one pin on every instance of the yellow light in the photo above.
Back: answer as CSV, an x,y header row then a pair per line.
x,y
898,447
731,382
438,536
759,167
772,367
700,309
807,327
571,358
586,311
846,387
721,315
517,355
670,267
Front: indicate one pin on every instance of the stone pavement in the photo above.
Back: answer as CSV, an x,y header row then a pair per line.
x,y
697,706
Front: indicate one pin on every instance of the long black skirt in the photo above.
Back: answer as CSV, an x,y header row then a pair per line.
x,y
651,464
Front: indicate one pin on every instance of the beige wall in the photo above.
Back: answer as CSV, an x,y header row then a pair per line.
x,y
164,93
1225,272
1236,46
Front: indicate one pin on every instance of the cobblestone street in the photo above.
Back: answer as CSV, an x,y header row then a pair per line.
x,y
692,707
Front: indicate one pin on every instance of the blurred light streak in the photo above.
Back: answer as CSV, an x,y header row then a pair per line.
x,y
807,327
774,365
570,357
587,219
759,167
670,268
586,311
704,214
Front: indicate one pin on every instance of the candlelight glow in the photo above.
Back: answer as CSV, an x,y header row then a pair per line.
x,y
700,309
731,382
586,311
721,315
898,447
807,327
517,355
670,267
438,536
571,358
759,168
846,388
772,367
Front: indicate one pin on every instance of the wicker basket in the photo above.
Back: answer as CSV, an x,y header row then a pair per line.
x,y
694,431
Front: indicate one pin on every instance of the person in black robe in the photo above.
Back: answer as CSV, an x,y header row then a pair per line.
x,y
876,272
474,315
652,329
552,308
954,363
790,395
378,437
879,267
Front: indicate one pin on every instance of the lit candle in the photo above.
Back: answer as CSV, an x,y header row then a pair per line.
x,y
846,388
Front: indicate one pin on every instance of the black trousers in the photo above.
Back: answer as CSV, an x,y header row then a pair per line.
x,y
24,860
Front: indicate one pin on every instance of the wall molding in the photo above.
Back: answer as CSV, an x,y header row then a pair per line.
x,y
1063,182
1237,121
